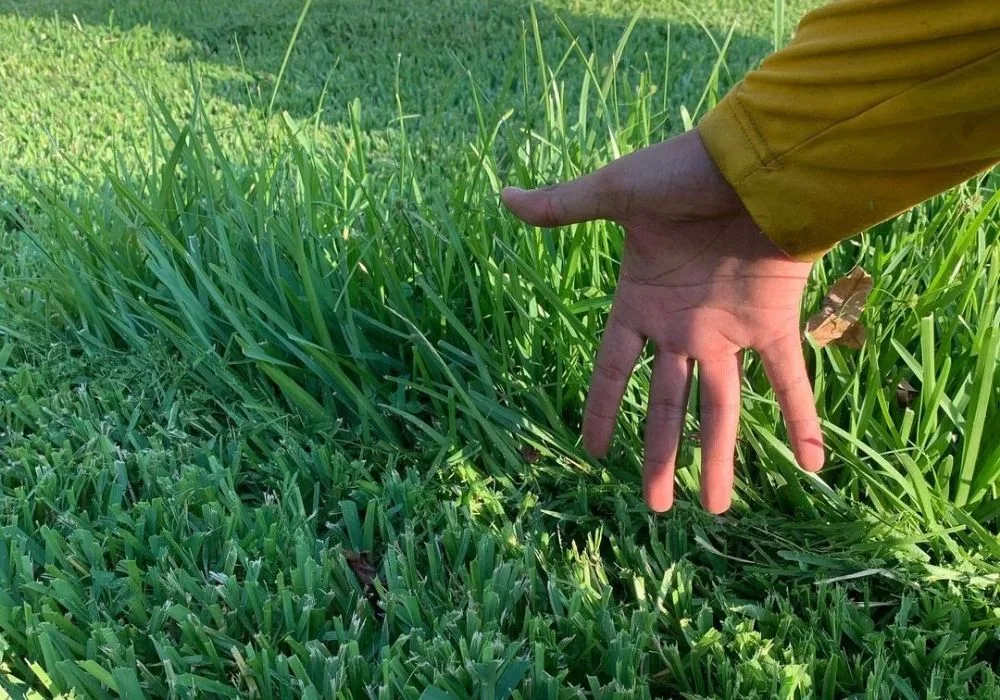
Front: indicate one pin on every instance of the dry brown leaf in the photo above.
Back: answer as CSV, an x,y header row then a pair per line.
x,y
838,321
905,393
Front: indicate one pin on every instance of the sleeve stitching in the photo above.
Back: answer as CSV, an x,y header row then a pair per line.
x,y
776,159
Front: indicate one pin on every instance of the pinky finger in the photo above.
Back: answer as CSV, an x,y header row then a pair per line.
x,y
786,370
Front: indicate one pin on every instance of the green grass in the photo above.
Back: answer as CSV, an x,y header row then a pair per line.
x,y
242,345
62,62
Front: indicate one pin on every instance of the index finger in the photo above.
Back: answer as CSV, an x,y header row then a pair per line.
x,y
620,348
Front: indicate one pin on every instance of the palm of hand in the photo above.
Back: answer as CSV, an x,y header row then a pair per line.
x,y
700,283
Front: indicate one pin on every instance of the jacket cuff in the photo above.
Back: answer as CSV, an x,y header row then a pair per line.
x,y
748,165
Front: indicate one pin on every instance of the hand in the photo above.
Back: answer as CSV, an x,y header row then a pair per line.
x,y
701,282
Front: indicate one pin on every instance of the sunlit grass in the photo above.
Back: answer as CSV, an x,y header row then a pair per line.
x,y
231,358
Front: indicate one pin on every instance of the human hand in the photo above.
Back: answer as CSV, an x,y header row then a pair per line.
x,y
701,282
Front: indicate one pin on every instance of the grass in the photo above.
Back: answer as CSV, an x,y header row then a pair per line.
x,y
291,404
83,107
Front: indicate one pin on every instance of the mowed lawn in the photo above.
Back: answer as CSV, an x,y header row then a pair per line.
x,y
291,405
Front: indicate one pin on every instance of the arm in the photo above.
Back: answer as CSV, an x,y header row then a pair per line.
x,y
875,106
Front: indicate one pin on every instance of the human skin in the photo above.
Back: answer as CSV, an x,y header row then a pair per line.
x,y
699,282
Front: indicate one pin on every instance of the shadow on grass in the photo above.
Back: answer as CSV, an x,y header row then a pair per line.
x,y
427,50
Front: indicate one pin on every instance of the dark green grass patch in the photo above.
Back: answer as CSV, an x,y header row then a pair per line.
x,y
148,551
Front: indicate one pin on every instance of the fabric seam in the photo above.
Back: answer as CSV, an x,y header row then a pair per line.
x,y
776,159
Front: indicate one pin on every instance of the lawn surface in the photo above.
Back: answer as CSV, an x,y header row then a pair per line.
x,y
290,405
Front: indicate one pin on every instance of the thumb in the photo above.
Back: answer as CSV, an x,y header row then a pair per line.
x,y
584,199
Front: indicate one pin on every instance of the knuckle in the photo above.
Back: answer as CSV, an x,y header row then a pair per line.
x,y
607,181
615,190
612,371
602,412
550,210
803,421
789,382
654,467
667,410
719,407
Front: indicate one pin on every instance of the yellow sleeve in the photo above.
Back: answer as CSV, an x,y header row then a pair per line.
x,y
875,106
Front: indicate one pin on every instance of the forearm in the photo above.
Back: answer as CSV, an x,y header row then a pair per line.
x,y
875,106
